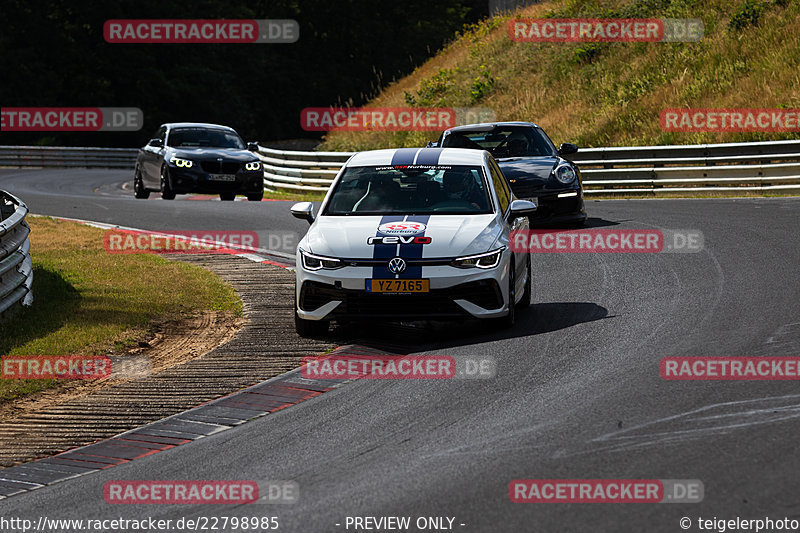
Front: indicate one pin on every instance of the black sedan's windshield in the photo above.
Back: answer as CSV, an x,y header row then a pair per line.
x,y
504,141
441,190
204,138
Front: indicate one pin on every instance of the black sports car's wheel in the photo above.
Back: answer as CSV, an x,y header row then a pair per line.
x,y
138,186
227,196
526,292
255,197
166,189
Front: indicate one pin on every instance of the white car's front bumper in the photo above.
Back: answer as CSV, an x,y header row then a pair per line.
x,y
454,293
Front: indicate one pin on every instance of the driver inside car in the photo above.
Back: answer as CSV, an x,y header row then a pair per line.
x,y
382,193
517,144
461,186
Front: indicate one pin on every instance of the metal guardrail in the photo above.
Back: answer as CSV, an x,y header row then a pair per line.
x,y
16,267
293,170
726,167
67,156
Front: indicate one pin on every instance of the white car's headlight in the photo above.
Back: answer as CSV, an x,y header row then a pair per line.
x,y
317,262
565,174
178,162
487,260
253,165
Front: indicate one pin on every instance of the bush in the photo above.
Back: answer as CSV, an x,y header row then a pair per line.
x,y
586,53
432,90
748,14
481,85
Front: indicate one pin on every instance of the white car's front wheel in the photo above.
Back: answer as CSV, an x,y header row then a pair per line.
x,y
510,319
309,328
525,301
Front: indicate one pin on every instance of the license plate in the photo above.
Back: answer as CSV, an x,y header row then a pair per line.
x,y
398,286
222,177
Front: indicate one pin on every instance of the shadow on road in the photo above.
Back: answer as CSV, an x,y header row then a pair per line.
x,y
425,336
591,222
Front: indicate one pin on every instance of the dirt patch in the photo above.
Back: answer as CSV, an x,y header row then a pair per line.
x,y
169,344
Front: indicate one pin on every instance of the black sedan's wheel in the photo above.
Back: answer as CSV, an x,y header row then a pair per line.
x,y
227,196
138,186
166,189
255,197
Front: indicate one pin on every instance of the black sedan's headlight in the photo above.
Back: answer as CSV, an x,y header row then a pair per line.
x,y
484,261
565,173
253,165
318,262
178,162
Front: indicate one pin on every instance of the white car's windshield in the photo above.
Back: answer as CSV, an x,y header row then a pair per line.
x,y
410,189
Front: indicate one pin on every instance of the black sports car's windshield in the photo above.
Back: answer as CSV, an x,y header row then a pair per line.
x,y
204,138
414,189
510,141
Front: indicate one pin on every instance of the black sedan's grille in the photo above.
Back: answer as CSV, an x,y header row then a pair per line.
x,y
227,167
436,303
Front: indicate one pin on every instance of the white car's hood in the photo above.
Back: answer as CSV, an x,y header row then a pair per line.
x,y
450,235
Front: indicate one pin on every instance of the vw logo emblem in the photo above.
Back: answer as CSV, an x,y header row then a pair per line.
x,y
397,265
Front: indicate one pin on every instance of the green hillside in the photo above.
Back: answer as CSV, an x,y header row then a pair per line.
x,y
609,94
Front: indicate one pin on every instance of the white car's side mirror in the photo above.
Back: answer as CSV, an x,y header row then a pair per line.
x,y
304,211
521,208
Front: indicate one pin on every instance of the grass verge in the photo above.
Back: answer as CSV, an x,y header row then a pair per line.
x,y
299,196
89,302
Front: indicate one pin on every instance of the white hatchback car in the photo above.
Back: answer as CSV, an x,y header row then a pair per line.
x,y
412,234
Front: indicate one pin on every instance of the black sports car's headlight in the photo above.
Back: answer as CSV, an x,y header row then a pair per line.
x,y
317,262
253,165
565,174
178,162
485,261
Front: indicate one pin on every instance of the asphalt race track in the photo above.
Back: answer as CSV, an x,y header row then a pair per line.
x,y
577,394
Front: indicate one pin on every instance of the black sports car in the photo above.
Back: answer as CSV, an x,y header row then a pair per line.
x,y
535,168
187,157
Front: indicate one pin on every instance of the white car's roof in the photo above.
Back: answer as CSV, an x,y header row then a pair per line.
x,y
418,156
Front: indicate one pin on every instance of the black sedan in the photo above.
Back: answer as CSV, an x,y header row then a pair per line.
x,y
189,157
535,168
